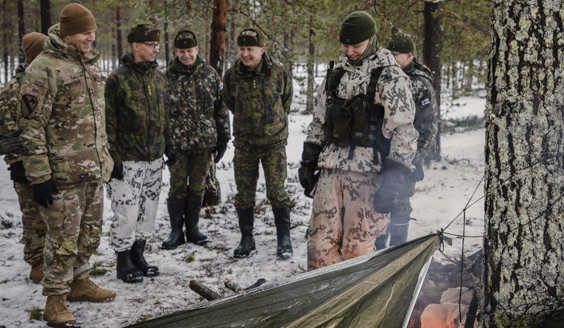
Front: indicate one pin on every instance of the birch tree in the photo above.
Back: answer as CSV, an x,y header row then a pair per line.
x,y
524,252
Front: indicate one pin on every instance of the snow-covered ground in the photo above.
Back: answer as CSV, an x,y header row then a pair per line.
x,y
442,196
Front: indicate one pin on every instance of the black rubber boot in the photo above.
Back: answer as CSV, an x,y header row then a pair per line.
x,y
176,212
192,217
282,221
246,221
126,270
139,260
398,229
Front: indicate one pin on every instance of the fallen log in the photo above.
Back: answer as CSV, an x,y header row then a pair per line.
x,y
203,291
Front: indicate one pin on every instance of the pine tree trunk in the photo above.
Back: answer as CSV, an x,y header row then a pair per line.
x,y
524,252
432,58
45,6
21,31
218,27
118,32
311,53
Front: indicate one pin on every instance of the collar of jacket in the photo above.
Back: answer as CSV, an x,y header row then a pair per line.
x,y
263,68
416,68
58,48
142,67
176,65
383,57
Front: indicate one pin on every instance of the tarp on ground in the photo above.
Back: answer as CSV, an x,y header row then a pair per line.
x,y
376,290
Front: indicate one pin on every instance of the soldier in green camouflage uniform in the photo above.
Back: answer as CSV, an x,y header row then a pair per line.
x,y
137,113
259,91
426,123
62,106
34,228
200,133
363,141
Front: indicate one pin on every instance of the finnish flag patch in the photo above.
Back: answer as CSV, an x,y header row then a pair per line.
x,y
425,102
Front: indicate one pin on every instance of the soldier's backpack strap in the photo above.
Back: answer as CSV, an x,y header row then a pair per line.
x,y
334,76
371,89
380,143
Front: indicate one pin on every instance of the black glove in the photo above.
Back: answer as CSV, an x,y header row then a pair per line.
x,y
17,172
308,179
117,172
393,177
417,175
10,144
219,151
170,155
43,192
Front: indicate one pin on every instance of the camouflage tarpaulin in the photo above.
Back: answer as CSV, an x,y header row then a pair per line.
x,y
374,290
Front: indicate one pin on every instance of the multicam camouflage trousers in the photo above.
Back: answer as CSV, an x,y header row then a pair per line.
x,y
246,165
134,202
74,224
188,174
343,222
34,227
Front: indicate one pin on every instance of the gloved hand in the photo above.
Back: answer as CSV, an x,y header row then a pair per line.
x,y
10,144
170,155
17,172
417,175
308,179
117,172
43,192
393,177
219,151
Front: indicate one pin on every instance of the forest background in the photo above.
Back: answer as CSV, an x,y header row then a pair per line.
x,y
453,37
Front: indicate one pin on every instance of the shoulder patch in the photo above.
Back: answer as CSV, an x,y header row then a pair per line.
x,y
220,86
28,105
425,102
34,92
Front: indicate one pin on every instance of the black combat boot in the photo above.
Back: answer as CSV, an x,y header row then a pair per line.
x,y
139,260
246,220
399,227
126,270
192,217
176,213
282,221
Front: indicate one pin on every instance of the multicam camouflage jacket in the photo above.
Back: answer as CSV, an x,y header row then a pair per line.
x,y
63,119
260,101
10,108
137,111
426,108
198,118
392,92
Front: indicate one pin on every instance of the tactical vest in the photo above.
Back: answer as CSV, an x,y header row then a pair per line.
x,y
357,121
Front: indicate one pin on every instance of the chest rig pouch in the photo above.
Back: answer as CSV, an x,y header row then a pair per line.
x,y
357,121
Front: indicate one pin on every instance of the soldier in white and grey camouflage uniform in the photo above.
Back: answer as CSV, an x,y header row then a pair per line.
x,y
199,132
363,141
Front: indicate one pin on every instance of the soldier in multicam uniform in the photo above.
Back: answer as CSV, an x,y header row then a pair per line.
x,y
68,161
199,131
34,228
259,91
363,141
137,122
426,123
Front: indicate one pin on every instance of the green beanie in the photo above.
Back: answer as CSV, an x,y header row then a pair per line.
x,y
357,27
250,37
185,38
401,43
143,33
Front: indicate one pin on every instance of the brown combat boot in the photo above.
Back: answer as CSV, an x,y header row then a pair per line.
x,y
56,311
36,274
85,290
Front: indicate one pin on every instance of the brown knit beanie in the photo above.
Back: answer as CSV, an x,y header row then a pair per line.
x,y
32,45
75,19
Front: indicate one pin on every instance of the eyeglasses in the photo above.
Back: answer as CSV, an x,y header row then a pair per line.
x,y
152,45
